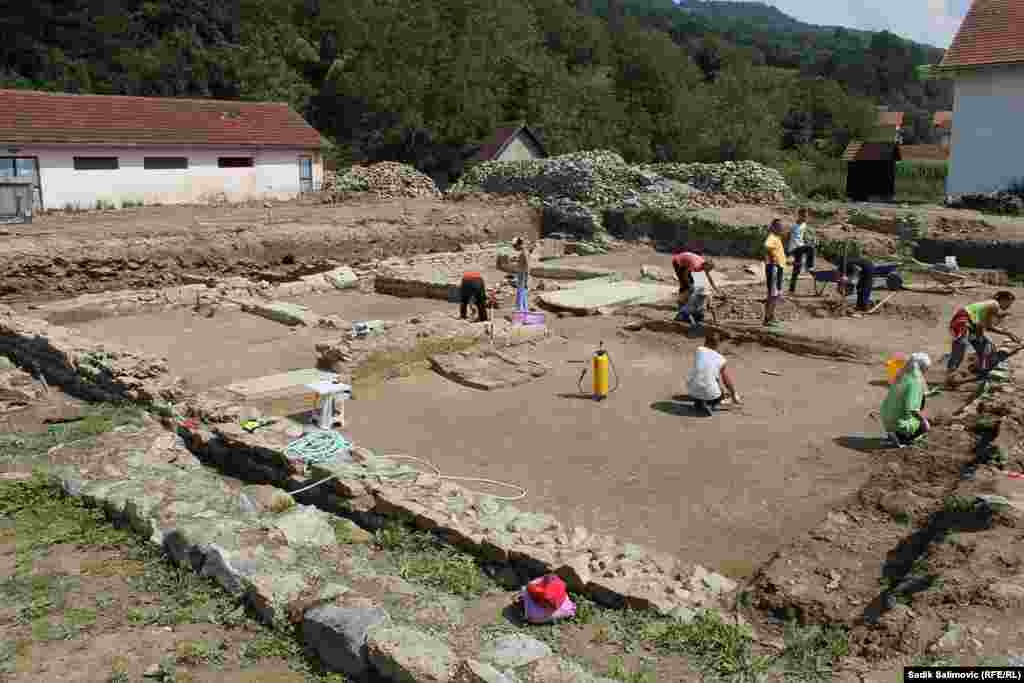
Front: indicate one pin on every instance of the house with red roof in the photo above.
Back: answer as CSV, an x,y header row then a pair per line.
x,y
986,63
84,150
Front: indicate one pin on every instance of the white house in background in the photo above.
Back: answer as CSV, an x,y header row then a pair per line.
x,y
84,149
986,63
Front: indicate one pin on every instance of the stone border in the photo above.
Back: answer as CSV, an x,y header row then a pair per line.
x,y
799,345
613,573
286,562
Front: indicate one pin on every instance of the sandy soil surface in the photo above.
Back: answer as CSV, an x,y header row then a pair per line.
x,y
233,345
65,255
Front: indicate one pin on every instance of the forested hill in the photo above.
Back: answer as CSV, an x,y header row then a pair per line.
x,y
416,80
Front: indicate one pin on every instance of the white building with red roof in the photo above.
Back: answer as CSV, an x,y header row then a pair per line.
x,y
986,63
81,150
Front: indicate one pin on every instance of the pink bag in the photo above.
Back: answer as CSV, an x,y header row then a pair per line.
x,y
538,614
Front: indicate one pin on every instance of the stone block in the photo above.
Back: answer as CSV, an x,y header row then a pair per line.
x,y
405,655
338,635
282,312
307,526
342,278
512,652
472,671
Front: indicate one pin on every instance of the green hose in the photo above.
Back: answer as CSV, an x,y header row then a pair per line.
x,y
317,447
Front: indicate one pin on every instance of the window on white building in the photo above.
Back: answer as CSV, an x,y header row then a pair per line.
x,y
164,163
96,164
234,162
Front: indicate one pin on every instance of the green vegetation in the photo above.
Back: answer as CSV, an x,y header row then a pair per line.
x,y
36,518
422,558
416,81
97,419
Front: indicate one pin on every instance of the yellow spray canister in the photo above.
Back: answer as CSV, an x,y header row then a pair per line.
x,y
601,374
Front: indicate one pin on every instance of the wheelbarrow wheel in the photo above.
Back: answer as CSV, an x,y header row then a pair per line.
x,y
893,281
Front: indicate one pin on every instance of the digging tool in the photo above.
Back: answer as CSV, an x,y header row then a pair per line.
x,y
882,302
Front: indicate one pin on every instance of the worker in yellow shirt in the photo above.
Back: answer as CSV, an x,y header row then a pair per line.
x,y
969,325
774,263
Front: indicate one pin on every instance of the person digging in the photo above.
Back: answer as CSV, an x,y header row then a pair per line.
x,y
691,297
969,326
472,290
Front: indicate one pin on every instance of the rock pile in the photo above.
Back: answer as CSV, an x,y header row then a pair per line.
x,y
993,202
575,189
387,180
598,178
740,181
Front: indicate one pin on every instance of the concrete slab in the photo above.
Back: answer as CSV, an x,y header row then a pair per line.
x,y
282,312
589,297
263,387
556,269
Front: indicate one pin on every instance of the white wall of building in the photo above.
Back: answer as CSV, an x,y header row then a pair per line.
x,y
987,145
518,150
274,175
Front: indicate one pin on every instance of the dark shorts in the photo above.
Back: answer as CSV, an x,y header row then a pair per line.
x,y
773,276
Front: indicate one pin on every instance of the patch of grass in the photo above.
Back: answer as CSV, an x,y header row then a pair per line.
x,y
199,652
99,419
811,651
36,596
422,558
719,648
8,656
617,670
43,518
958,504
270,646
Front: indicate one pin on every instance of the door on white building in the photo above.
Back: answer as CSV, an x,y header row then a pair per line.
x,y
305,174
24,167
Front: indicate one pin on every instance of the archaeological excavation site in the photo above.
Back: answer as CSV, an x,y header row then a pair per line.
x,y
282,413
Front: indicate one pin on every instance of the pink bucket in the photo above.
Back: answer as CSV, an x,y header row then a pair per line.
x,y
528,318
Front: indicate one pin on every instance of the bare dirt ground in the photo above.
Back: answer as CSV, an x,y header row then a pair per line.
x,y
61,255
791,490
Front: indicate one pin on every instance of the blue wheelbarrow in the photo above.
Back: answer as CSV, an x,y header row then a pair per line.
x,y
823,278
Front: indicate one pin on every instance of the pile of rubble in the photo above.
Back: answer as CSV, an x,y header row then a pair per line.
x,y
386,180
739,181
992,202
599,178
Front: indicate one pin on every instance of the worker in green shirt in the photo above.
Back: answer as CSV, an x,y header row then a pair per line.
x,y
901,410
969,325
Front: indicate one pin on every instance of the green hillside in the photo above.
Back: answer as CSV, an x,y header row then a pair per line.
x,y
417,80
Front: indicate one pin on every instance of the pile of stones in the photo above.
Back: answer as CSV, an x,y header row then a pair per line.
x,y
992,202
599,178
740,181
574,190
386,180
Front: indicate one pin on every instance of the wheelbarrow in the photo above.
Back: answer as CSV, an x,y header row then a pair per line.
x,y
889,271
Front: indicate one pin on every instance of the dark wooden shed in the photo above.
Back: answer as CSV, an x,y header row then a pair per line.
x,y
871,170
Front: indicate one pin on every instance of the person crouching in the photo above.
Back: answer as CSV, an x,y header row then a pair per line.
x,y
472,289
709,373
901,410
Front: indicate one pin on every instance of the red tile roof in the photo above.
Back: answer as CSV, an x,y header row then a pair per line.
x,y
991,33
871,151
943,119
890,119
500,140
924,153
28,117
